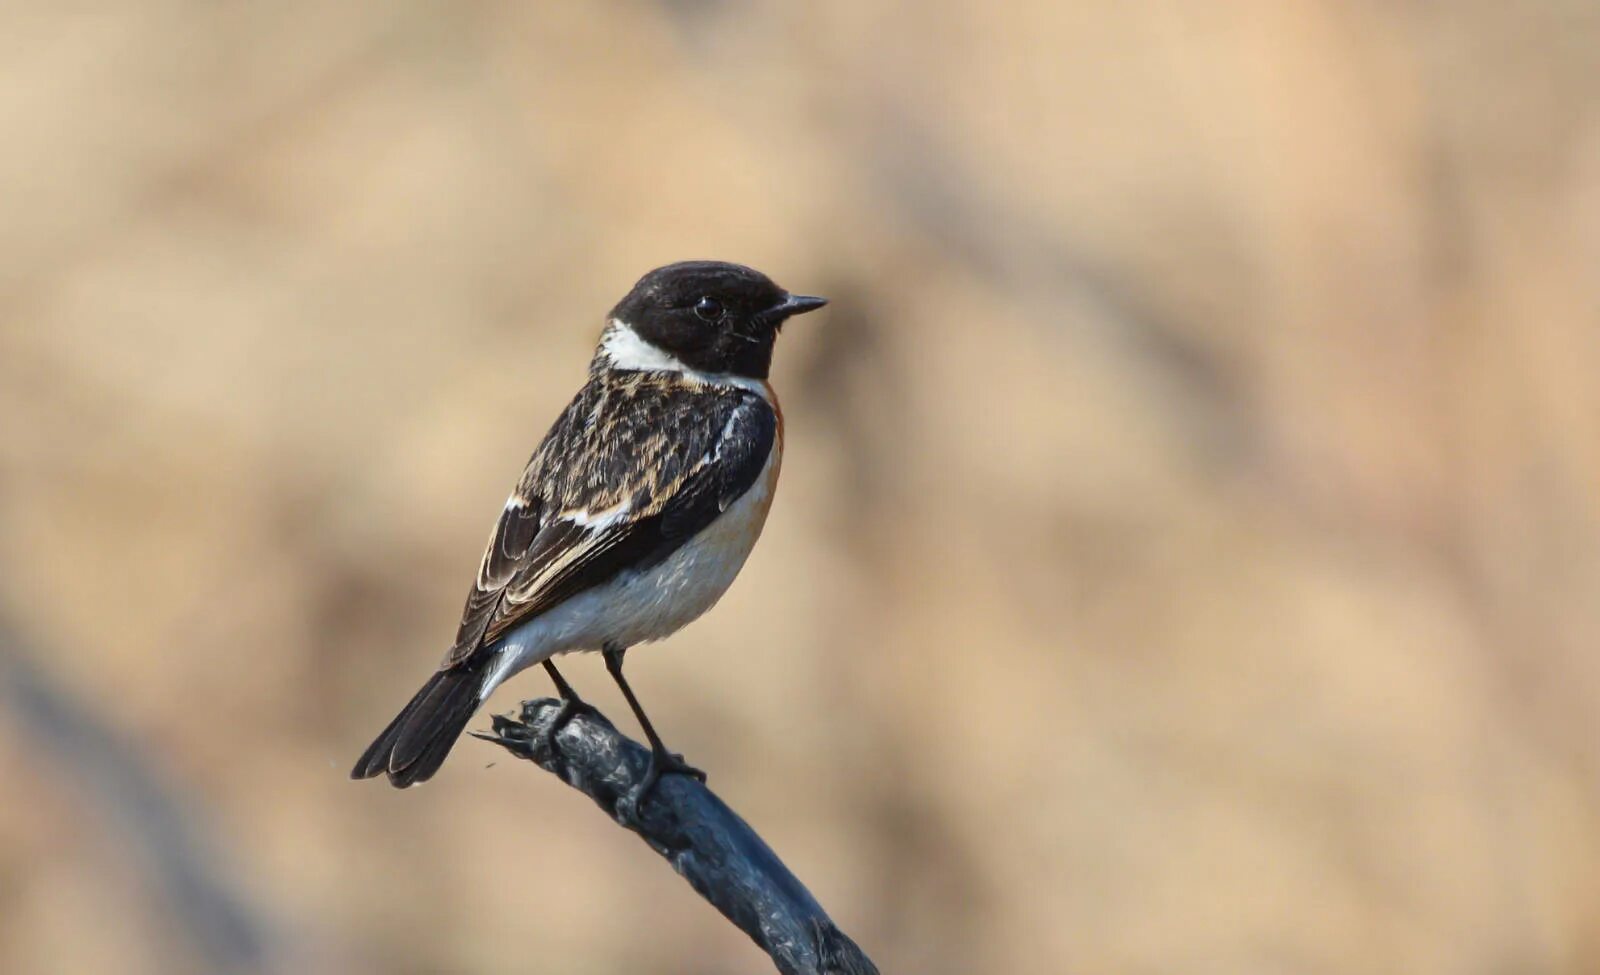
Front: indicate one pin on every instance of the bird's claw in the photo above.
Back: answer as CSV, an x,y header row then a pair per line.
x,y
661,763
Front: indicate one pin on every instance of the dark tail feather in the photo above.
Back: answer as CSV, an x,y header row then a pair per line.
x,y
416,742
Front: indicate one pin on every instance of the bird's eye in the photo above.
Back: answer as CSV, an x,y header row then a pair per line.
x,y
708,308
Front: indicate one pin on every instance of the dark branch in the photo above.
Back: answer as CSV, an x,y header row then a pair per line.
x,y
706,842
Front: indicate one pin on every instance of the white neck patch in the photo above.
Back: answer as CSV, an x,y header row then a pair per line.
x,y
627,350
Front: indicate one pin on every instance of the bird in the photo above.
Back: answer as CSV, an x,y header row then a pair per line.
x,y
634,514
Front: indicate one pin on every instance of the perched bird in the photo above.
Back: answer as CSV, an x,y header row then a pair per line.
x,y
635,512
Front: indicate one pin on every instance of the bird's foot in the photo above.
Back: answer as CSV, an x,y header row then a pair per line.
x,y
662,762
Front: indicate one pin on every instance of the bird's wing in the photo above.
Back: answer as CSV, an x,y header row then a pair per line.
x,y
630,472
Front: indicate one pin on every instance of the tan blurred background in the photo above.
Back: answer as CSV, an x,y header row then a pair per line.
x,y
1188,555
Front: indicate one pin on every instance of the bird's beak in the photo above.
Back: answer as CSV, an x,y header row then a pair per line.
x,y
796,305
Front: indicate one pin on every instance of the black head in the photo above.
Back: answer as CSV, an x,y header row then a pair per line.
x,y
711,316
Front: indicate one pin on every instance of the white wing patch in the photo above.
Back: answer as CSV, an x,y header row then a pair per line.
x,y
596,520
714,454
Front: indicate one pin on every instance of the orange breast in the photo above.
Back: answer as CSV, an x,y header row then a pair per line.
x,y
772,397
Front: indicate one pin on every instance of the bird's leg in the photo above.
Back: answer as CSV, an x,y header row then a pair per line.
x,y
568,695
571,705
661,760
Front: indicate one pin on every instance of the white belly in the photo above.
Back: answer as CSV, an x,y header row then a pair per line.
x,y
637,607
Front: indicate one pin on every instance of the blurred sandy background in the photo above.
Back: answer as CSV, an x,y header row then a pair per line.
x,y
1188,555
